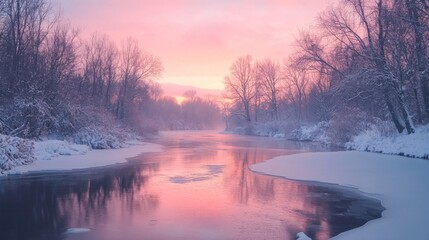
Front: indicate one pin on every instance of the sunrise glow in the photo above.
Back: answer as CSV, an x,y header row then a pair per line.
x,y
197,40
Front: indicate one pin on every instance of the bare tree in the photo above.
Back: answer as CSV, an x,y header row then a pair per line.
x,y
240,84
60,56
100,69
25,27
416,18
268,73
359,30
297,85
137,70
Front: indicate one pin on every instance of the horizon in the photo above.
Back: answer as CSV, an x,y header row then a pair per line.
x,y
206,119
197,41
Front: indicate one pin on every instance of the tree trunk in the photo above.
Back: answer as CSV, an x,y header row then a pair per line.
x,y
393,114
421,54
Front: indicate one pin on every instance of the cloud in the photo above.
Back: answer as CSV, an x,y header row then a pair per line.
x,y
197,37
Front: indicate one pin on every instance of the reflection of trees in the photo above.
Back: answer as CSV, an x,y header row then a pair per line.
x,y
41,207
249,184
339,210
319,211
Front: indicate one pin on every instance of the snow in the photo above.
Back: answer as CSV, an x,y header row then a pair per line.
x,y
412,145
14,152
100,137
316,133
399,182
302,236
45,150
210,172
63,156
77,230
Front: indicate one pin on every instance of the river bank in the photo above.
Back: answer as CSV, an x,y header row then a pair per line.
x,y
54,155
399,182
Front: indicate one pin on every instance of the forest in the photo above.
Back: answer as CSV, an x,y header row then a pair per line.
x,y
362,65
210,121
362,68
53,83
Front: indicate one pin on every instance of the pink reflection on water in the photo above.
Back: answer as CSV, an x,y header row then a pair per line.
x,y
199,188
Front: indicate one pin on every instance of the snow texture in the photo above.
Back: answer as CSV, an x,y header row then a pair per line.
x,y
212,171
302,236
274,129
77,230
316,133
94,158
98,137
399,182
46,150
15,152
412,145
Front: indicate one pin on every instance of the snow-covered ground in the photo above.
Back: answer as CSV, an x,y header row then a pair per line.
x,y
412,145
376,139
15,151
48,149
313,133
55,155
399,182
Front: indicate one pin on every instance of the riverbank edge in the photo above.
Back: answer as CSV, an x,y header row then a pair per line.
x,y
77,160
374,139
368,173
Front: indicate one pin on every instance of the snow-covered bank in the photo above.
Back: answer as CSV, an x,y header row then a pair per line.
x,y
412,145
54,155
48,149
379,138
15,151
311,133
399,182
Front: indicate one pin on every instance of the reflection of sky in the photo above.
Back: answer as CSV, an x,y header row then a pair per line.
x,y
199,188
197,40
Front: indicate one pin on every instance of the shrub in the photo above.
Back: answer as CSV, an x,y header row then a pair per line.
x,y
103,137
315,132
348,123
15,152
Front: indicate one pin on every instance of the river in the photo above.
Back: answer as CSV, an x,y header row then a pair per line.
x,y
200,187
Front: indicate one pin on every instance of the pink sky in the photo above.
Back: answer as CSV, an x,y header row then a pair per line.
x,y
197,40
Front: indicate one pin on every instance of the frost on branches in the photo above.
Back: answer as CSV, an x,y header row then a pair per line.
x,y
15,152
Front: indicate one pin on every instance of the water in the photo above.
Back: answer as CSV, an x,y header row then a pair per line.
x,y
199,188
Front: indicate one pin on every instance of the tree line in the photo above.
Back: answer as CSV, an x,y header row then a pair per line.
x,y
51,81
193,113
362,58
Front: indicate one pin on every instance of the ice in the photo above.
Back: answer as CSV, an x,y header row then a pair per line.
x,y
399,182
211,172
77,230
302,236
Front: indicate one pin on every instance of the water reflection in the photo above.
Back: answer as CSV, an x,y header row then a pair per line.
x,y
199,188
43,206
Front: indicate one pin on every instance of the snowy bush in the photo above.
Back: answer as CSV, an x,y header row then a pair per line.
x,y
47,149
15,152
316,133
101,137
98,129
348,123
246,129
25,117
382,140
276,129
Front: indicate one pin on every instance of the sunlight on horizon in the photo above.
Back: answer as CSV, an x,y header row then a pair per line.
x,y
197,41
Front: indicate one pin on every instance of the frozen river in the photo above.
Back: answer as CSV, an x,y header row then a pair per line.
x,y
200,187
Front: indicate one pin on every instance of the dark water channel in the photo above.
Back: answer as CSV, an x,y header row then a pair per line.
x,y
200,187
